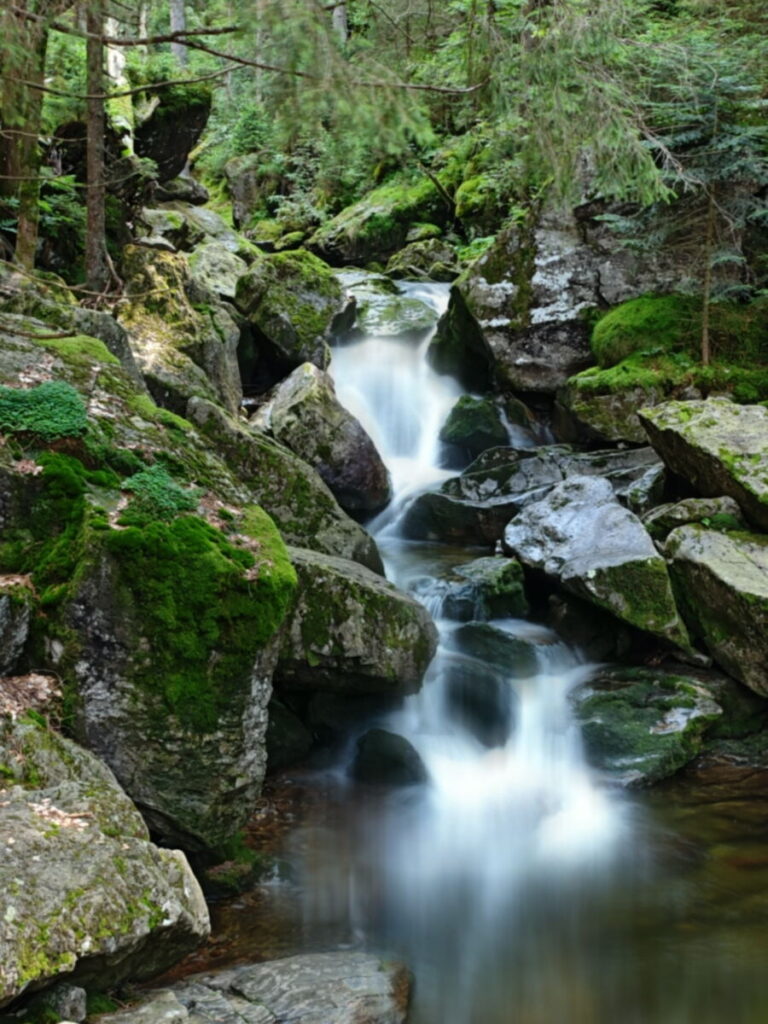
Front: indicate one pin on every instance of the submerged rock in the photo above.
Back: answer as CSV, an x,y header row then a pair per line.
x,y
480,698
306,416
641,726
580,535
718,447
722,585
513,655
383,758
352,631
85,893
316,988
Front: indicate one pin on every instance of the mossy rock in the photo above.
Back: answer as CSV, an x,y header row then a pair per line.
x,y
378,225
431,258
669,323
719,447
393,316
291,299
474,424
512,655
86,895
485,588
582,537
351,631
721,580
301,504
641,726
714,513
460,348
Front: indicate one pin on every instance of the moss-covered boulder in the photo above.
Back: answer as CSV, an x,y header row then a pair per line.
x,y
175,124
722,584
85,894
474,424
352,631
303,507
715,513
582,537
306,416
718,447
215,269
182,351
291,300
392,316
641,726
378,225
174,674
430,258
589,411
513,655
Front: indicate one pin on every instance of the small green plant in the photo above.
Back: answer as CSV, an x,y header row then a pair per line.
x,y
157,496
50,410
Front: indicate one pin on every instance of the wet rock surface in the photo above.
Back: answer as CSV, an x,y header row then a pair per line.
x,y
320,988
580,535
384,758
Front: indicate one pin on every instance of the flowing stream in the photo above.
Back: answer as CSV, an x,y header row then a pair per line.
x,y
516,884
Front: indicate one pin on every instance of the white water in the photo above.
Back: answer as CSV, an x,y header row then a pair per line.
x,y
457,862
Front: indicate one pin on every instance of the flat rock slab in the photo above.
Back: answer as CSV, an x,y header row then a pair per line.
x,y
722,582
320,988
718,447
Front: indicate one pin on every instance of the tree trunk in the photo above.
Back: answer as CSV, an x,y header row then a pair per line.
x,y
178,24
706,291
22,110
340,22
97,263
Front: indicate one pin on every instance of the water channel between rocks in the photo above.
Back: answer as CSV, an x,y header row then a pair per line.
x,y
518,886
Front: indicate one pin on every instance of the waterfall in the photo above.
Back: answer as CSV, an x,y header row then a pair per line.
x,y
469,868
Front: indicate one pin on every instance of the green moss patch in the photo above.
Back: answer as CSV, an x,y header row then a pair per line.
x,y
204,606
51,410
653,324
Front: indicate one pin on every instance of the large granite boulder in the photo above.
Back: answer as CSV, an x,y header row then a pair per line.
x,y
181,351
640,726
316,988
353,631
303,507
721,580
215,269
177,636
529,292
85,893
291,300
581,536
718,447
306,416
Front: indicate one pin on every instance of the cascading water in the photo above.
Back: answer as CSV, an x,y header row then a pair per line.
x,y
470,870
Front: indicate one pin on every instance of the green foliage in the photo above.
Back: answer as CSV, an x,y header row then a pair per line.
x,y
51,410
157,496
206,608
